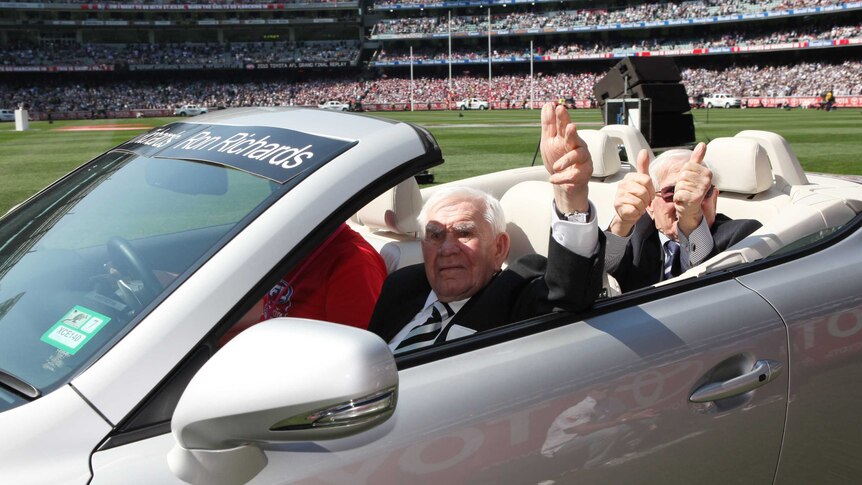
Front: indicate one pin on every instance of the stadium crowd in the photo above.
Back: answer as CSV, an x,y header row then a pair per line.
x,y
238,54
57,53
754,81
689,6
178,2
810,79
806,79
584,17
729,39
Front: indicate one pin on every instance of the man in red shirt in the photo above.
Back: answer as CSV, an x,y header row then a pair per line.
x,y
339,282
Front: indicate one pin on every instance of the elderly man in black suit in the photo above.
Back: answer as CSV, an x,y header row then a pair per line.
x,y
666,220
461,287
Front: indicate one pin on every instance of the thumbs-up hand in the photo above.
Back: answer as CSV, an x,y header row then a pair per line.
x,y
694,181
634,194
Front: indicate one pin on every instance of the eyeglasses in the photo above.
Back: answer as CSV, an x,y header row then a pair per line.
x,y
667,193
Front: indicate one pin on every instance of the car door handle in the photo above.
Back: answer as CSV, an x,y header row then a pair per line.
x,y
762,372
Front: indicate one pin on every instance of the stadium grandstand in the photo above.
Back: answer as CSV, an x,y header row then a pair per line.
x,y
80,59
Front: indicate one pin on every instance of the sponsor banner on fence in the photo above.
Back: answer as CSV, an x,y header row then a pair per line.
x,y
98,67
143,6
632,53
296,65
810,102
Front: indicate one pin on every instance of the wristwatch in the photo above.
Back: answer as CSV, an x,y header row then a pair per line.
x,y
576,216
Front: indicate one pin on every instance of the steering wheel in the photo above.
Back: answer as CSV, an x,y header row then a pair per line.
x,y
124,256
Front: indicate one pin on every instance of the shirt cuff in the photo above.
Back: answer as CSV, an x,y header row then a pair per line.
x,y
696,247
581,238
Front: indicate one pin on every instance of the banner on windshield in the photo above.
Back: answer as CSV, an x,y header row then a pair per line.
x,y
274,153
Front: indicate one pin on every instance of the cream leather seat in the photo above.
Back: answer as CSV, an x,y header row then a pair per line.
x,y
752,170
390,224
743,175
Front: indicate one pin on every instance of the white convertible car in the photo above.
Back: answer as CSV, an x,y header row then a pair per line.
x,y
117,281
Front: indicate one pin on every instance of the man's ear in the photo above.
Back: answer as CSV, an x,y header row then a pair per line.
x,y
713,199
649,209
501,249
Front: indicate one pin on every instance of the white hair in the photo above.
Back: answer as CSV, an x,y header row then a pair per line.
x,y
492,211
662,164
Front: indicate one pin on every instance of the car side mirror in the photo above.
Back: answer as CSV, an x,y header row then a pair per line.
x,y
281,380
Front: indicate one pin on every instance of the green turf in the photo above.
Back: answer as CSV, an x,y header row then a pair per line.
x,y
34,158
824,142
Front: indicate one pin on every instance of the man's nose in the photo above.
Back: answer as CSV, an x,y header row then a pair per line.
x,y
450,244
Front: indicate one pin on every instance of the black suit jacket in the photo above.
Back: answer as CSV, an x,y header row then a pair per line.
x,y
532,286
640,264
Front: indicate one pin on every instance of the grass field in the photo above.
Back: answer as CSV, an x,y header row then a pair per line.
x,y
475,143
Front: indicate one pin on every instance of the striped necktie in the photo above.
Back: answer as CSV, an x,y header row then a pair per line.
x,y
424,335
671,260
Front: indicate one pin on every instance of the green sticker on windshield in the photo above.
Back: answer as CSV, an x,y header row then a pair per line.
x,y
76,327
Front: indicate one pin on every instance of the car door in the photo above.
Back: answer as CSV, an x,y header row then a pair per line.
x,y
561,399
820,298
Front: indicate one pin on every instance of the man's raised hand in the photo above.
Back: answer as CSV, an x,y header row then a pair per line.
x,y
634,194
566,159
693,183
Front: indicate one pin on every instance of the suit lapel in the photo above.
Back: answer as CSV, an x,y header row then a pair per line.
x,y
410,299
646,255
478,311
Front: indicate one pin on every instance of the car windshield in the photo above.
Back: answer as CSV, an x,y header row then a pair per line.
x,y
85,259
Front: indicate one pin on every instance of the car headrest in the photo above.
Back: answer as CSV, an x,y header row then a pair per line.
x,y
527,206
630,138
784,163
739,165
395,210
604,152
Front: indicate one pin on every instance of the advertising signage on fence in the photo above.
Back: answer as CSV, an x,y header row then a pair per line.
x,y
453,3
192,7
296,65
179,67
628,53
98,67
182,67
238,65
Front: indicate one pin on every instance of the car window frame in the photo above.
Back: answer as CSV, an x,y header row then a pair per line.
x,y
133,428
